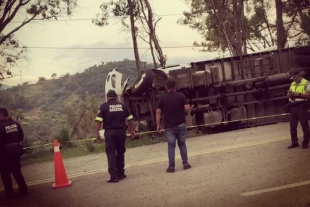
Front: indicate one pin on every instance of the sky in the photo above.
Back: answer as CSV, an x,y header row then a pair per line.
x,y
70,34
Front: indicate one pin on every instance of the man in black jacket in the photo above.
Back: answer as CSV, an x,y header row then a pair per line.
x,y
11,134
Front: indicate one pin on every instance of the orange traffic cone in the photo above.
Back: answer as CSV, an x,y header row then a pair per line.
x,y
61,179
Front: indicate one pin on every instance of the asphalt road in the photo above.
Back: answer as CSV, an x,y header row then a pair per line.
x,y
249,167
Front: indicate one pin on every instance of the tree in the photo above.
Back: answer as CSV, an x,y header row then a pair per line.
x,y
142,21
54,75
134,35
41,79
221,23
146,17
239,26
299,11
19,114
80,114
11,50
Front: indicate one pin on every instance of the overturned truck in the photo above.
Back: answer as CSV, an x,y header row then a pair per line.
x,y
226,94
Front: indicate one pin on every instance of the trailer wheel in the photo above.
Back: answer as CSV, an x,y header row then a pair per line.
x,y
143,82
302,61
305,50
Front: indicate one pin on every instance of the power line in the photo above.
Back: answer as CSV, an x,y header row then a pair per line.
x,y
103,48
124,48
87,19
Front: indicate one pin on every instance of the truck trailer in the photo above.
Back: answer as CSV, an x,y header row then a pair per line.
x,y
225,93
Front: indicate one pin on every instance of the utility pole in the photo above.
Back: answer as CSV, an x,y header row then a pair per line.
x,y
21,77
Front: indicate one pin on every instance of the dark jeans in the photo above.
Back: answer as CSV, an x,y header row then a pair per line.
x,y
298,112
115,150
12,165
173,135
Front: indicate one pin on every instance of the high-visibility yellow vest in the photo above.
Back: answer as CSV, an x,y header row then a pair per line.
x,y
299,88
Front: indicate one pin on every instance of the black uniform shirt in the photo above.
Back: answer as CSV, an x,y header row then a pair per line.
x,y
113,114
10,132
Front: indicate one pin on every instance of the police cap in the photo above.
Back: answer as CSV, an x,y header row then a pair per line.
x,y
4,112
111,94
294,74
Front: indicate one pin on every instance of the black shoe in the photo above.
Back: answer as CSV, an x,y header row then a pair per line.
x,y
305,146
22,193
293,145
121,177
170,169
10,196
186,166
113,180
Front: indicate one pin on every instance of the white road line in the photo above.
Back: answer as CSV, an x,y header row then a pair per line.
x,y
275,188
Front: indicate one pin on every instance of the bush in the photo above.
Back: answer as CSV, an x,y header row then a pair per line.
x,y
90,146
64,138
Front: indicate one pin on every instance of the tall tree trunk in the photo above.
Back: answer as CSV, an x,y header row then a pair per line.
x,y
161,57
281,35
244,31
238,7
134,37
152,52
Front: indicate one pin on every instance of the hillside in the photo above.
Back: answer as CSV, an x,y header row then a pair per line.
x,y
4,86
59,102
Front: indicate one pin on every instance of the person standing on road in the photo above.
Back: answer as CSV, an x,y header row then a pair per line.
x,y
114,114
11,134
299,93
172,105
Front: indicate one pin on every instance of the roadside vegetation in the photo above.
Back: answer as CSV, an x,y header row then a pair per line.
x,y
64,107
80,148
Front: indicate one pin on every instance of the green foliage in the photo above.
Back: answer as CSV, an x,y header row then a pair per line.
x,y
118,8
11,51
300,10
41,79
202,18
56,98
260,30
90,146
64,138
305,26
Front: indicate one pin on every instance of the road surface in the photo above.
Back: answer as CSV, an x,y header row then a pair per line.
x,y
250,167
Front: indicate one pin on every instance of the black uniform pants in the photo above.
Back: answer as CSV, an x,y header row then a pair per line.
x,y
298,112
12,165
115,150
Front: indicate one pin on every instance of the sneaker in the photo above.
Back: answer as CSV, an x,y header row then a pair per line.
x,y
186,166
170,169
121,177
304,146
293,145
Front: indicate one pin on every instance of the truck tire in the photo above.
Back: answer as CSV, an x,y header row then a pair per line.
x,y
302,61
143,83
304,50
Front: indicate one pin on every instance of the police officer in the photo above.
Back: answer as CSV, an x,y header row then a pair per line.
x,y
113,114
299,93
11,134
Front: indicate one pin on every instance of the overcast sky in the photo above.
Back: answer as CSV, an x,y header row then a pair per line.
x,y
44,62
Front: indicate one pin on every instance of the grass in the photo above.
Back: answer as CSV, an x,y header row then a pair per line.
x,y
39,155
